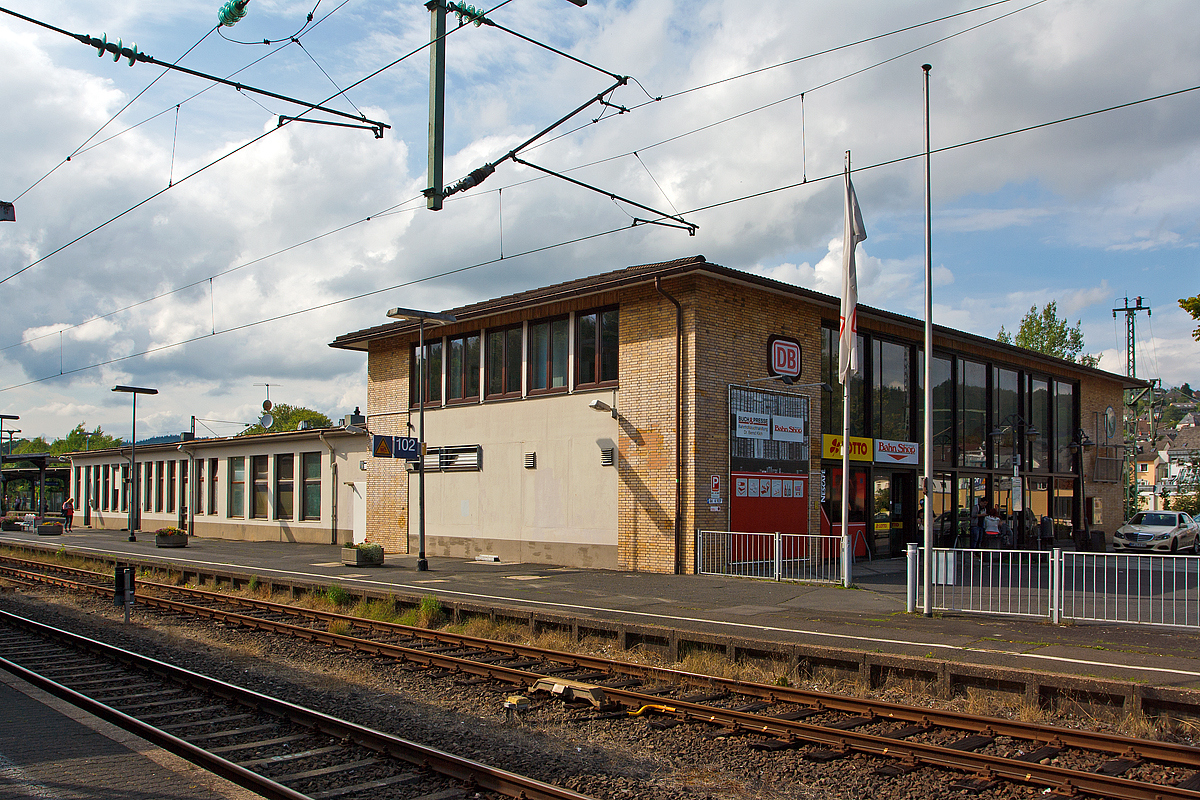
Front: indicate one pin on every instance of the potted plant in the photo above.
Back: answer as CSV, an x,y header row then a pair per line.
x,y
46,527
170,537
11,524
362,555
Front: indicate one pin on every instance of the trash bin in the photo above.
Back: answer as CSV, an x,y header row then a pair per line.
x,y
1046,534
1099,542
1081,539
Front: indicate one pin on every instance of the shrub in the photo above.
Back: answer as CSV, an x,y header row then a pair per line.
x,y
337,595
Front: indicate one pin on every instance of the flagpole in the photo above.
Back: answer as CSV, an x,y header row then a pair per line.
x,y
847,554
928,433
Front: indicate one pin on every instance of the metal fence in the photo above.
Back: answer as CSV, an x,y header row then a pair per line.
x,y
773,556
1061,585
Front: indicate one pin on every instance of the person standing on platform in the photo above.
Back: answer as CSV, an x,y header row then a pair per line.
x,y
977,514
991,529
68,510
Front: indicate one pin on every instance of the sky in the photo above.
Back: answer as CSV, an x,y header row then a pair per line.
x,y
193,245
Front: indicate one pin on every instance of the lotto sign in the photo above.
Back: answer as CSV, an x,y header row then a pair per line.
x,y
785,356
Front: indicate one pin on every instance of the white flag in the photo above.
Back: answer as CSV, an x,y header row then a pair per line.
x,y
855,232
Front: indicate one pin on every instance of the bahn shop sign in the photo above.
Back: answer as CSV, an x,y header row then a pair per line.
x,y
861,449
784,361
889,451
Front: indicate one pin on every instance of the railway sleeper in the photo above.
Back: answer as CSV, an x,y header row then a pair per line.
x,y
1118,766
975,785
823,755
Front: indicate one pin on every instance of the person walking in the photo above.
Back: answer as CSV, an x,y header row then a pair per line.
x,y
977,515
68,510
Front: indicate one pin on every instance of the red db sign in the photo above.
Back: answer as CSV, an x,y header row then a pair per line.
x,y
785,356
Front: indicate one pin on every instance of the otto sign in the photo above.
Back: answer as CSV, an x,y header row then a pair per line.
x,y
785,356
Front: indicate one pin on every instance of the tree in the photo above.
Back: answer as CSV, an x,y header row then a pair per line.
x,y
288,418
1192,306
1044,332
80,438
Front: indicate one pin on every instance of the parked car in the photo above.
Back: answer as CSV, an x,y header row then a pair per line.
x,y
1164,531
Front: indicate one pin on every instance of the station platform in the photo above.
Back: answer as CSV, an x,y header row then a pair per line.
x,y
51,749
869,618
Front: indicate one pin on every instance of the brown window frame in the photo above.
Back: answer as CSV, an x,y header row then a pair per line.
x,y
506,341
430,380
466,371
548,364
596,356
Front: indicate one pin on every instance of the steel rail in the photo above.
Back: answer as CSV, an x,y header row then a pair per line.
x,y
1168,752
463,769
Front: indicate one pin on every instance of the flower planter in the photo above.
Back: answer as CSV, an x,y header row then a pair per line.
x,y
352,556
11,524
170,540
50,529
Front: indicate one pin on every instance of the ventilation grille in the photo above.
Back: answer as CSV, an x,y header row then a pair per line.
x,y
531,461
608,456
459,458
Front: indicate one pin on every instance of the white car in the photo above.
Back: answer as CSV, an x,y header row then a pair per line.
x,y
1164,531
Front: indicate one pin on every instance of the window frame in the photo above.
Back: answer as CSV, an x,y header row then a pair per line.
x,y
310,485
237,488
285,485
506,372
258,480
596,357
213,487
466,373
548,365
431,380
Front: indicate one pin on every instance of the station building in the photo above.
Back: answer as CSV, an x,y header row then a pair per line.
x,y
305,486
603,421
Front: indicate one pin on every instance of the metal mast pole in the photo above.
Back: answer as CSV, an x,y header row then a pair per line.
x,y
437,102
422,562
927,582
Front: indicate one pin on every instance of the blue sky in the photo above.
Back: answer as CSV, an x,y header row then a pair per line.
x,y
1082,213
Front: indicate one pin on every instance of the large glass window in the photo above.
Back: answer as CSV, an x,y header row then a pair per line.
x,y
1039,417
548,355
504,362
1064,426
212,485
237,486
831,402
972,414
260,468
596,346
1005,407
462,367
285,471
310,464
891,397
943,411
432,375
158,487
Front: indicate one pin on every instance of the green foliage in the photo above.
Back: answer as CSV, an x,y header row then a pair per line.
x,y
80,438
337,595
1192,306
1044,332
288,418
254,583
170,530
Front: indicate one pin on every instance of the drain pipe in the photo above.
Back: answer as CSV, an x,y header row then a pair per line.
x,y
678,426
333,481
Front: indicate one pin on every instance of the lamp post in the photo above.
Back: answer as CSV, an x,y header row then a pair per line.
x,y
411,314
133,495
2,418
1015,422
87,485
1077,448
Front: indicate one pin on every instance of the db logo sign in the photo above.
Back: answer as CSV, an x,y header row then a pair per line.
x,y
785,356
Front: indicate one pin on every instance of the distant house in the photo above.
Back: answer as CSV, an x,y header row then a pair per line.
x,y
298,486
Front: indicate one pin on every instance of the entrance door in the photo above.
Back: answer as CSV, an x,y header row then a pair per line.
x,y
358,511
894,519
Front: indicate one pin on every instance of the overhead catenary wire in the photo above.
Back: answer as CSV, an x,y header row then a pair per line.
x,y
587,237
303,28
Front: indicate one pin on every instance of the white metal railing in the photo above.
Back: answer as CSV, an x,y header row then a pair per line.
x,y
774,556
1063,585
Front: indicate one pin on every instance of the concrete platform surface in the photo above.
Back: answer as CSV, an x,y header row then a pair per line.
x,y
870,617
51,749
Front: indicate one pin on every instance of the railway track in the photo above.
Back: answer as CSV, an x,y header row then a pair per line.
x,y
268,745
980,752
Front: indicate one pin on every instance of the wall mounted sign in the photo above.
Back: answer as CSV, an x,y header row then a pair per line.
x,y
784,357
890,451
752,426
861,449
787,429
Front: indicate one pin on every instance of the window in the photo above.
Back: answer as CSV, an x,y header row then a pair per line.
x,y
124,487
548,355
183,490
237,486
260,505
78,482
596,346
891,395
212,485
831,402
1039,417
200,486
462,367
148,493
285,472
1005,405
1064,426
943,410
972,414
104,497
171,466
432,375
96,495
310,500
504,362
158,487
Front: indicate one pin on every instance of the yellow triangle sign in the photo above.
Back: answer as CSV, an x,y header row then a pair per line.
x,y
383,447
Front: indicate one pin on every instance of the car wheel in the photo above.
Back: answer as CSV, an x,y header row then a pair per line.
x,y
1174,545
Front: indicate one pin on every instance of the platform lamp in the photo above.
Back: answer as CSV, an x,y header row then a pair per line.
x,y
1016,423
2,418
411,314
133,495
